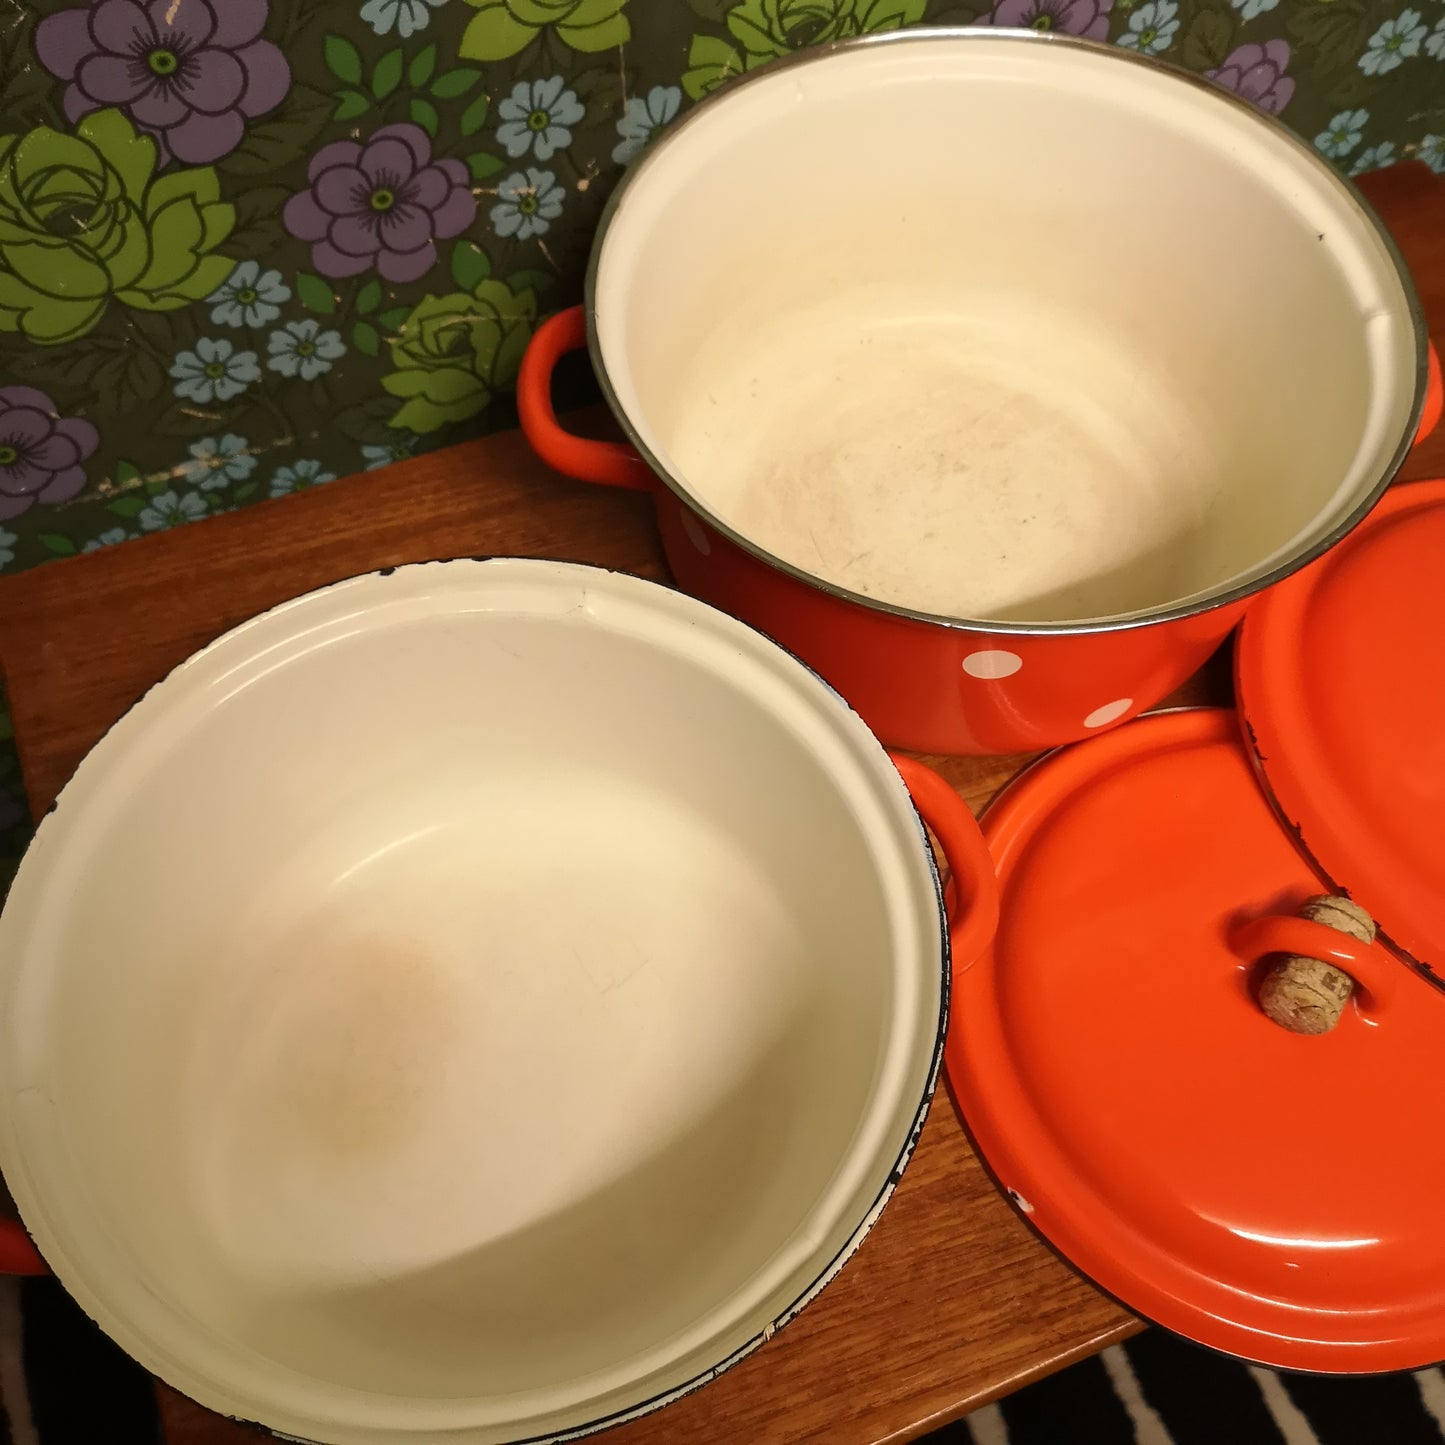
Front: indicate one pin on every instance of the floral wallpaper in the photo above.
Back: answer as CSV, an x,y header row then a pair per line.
x,y
249,246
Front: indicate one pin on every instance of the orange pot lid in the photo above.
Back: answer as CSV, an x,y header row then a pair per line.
x,y
1341,680
1267,1194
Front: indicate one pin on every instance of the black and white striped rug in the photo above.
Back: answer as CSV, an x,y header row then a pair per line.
x,y
63,1383
1159,1390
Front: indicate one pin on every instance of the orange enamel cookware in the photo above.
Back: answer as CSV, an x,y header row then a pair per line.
x,y
1003,448
1271,1194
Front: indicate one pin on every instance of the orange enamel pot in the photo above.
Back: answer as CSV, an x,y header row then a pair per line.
x,y
1000,438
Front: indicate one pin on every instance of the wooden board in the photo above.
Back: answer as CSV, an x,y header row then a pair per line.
x,y
951,1301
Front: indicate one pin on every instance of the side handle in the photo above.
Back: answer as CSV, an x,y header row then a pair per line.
x,y
18,1255
612,464
973,908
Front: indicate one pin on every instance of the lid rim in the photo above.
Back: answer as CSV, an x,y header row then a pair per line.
x,y
1156,1211
1285,686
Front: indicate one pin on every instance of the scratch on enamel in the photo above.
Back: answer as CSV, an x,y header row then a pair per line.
x,y
173,12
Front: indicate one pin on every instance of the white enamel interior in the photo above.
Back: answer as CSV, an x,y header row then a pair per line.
x,y
475,1000
996,327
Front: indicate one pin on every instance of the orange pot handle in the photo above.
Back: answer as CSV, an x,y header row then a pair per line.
x,y
1434,397
613,464
18,1255
1376,974
973,908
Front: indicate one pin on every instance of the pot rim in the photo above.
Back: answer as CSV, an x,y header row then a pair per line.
x,y
227,1392
1348,194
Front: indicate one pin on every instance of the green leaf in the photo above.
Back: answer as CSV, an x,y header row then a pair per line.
x,y
249,490
494,34
127,506
342,59
1208,39
452,83
606,34
394,319
369,297
483,166
157,484
710,61
469,264
474,117
424,113
314,294
387,75
421,67
258,222
365,422
58,544
282,138
365,339
125,473
1335,34
350,104
422,416
130,378
519,281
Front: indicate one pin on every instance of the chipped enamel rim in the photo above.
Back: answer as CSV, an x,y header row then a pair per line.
x,y
372,1420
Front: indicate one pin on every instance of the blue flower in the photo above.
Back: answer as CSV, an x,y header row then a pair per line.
x,y
297,477
644,117
398,451
538,116
1435,45
1393,43
1251,9
252,297
7,547
527,204
303,349
1373,158
214,371
408,16
1342,133
1152,27
214,463
169,510
1431,150
111,537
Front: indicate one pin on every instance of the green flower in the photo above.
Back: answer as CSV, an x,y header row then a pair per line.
x,y
501,28
455,352
766,29
84,218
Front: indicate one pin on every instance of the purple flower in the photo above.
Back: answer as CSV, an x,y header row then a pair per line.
x,y
1070,17
1257,72
190,72
40,451
382,204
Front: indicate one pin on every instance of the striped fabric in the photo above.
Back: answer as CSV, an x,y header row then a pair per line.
x,y
63,1383
1159,1390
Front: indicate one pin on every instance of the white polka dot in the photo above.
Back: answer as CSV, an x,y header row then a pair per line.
x,y
1110,712
992,663
695,533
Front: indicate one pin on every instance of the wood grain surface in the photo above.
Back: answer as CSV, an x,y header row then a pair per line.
x,y
951,1301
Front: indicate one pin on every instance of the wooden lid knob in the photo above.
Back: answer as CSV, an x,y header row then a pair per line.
x,y
1308,995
